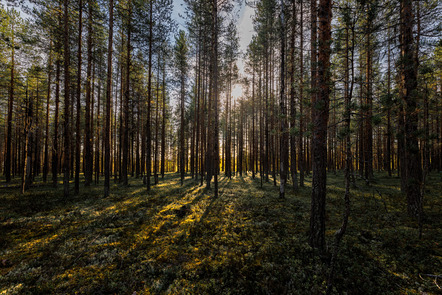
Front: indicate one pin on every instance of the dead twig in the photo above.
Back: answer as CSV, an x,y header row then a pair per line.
x,y
432,276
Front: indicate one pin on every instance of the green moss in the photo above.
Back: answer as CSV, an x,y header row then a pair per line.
x,y
180,240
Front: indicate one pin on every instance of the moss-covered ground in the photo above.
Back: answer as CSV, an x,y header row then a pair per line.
x,y
181,240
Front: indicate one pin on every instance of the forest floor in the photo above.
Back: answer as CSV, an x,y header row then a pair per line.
x,y
181,240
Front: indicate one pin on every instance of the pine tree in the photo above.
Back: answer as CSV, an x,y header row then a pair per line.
x,y
107,138
181,50
320,111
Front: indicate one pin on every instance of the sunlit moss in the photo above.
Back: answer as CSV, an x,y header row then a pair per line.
x,y
247,241
12,290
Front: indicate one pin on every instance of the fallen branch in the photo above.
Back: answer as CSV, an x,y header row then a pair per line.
x,y
433,276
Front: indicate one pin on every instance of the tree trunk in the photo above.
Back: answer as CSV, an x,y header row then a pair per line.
x,y
67,102
149,99
368,134
126,101
36,135
48,100
284,140
55,145
163,125
388,152
253,153
320,110
301,99
157,102
197,110
27,168
107,138
339,234
413,177
293,168
98,155
10,108
88,167
77,125
215,94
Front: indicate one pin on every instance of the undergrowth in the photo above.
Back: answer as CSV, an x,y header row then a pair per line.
x,y
181,240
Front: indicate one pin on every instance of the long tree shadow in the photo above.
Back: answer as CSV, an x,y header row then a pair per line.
x,y
90,228
244,242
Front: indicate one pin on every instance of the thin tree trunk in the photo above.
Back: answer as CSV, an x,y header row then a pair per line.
x,y
36,136
210,102
10,108
348,163
55,145
98,155
301,98
77,125
119,133
157,102
293,169
182,147
284,140
368,134
126,101
163,125
107,138
197,110
67,102
149,99
215,93
388,152
27,168
87,116
253,154
48,100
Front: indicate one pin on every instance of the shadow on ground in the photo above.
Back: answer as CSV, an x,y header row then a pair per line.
x,y
181,240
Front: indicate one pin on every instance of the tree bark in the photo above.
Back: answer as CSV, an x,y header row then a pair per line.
x,y
368,134
107,138
163,125
77,125
10,108
27,168
149,97
413,177
388,152
55,145
215,94
301,98
126,101
87,116
320,110
67,102
48,100
284,141
293,168
157,106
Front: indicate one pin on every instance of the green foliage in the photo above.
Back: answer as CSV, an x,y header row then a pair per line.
x,y
181,50
376,119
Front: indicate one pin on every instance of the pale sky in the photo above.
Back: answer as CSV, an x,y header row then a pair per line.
x,y
244,25
245,32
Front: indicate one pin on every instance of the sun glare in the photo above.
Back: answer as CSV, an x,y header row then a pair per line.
x,y
237,91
